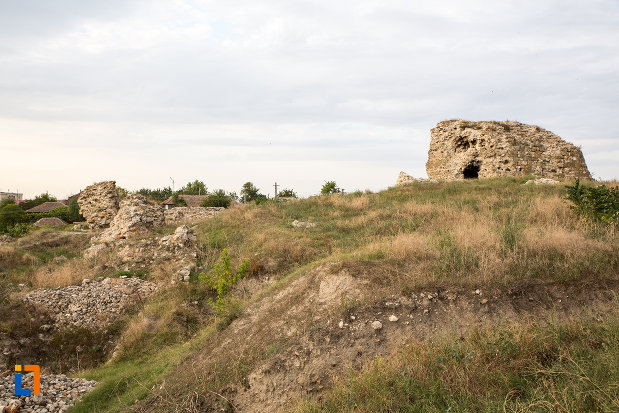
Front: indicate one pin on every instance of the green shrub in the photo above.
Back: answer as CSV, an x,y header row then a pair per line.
x,y
73,214
223,279
10,215
249,192
178,200
217,199
158,194
19,229
599,203
330,187
287,193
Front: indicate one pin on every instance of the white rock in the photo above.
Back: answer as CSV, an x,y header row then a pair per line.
x,y
341,324
377,325
393,318
542,181
302,224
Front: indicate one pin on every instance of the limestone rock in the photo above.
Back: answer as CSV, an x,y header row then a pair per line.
x,y
377,325
460,149
542,181
302,224
135,216
99,204
94,250
182,237
190,215
404,178
6,239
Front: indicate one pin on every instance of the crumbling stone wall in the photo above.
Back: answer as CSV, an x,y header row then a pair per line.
x,y
190,215
99,204
135,216
460,149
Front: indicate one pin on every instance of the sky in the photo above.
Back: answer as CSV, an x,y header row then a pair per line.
x,y
147,92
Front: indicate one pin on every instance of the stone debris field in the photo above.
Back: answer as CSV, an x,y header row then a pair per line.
x,y
58,393
92,303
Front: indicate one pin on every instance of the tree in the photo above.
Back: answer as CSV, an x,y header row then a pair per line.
x,y
330,187
156,194
38,200
219,198
194,188
10,215
249,192
73,214
178,200
5,202
287,193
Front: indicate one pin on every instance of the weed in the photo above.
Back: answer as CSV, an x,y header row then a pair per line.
x,y
223,279
599,203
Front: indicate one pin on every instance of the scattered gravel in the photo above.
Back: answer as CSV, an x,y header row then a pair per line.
x,y
92,303
58,393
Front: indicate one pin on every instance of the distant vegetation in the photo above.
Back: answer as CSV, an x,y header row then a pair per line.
x,y
287,193
158,194
219,198
15,221
329,187
249,193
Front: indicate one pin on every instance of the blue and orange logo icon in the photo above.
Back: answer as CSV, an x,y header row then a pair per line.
x,y
19,391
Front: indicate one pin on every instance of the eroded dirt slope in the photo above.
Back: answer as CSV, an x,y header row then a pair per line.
x,y
289,345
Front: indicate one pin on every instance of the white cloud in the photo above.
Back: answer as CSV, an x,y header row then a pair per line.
x,y
167,85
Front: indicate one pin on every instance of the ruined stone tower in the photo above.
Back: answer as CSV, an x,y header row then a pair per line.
x,y
460,149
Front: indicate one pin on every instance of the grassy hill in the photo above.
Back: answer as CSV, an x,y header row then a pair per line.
x,y
504,299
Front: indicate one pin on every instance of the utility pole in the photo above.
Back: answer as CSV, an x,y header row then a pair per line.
x,y
275,190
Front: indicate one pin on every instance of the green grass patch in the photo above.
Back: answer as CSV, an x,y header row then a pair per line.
x,y
121,383
538,368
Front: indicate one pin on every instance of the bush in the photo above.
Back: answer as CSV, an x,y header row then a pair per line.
x,y
249,192
223,279
217,199
73,214
19,229
178,200
287,193
158,194
10,215
330,187
599,203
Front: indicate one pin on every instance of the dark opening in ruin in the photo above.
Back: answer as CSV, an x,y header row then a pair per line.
x,y
471,171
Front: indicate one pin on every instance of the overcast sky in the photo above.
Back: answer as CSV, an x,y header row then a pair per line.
x,y
298,92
